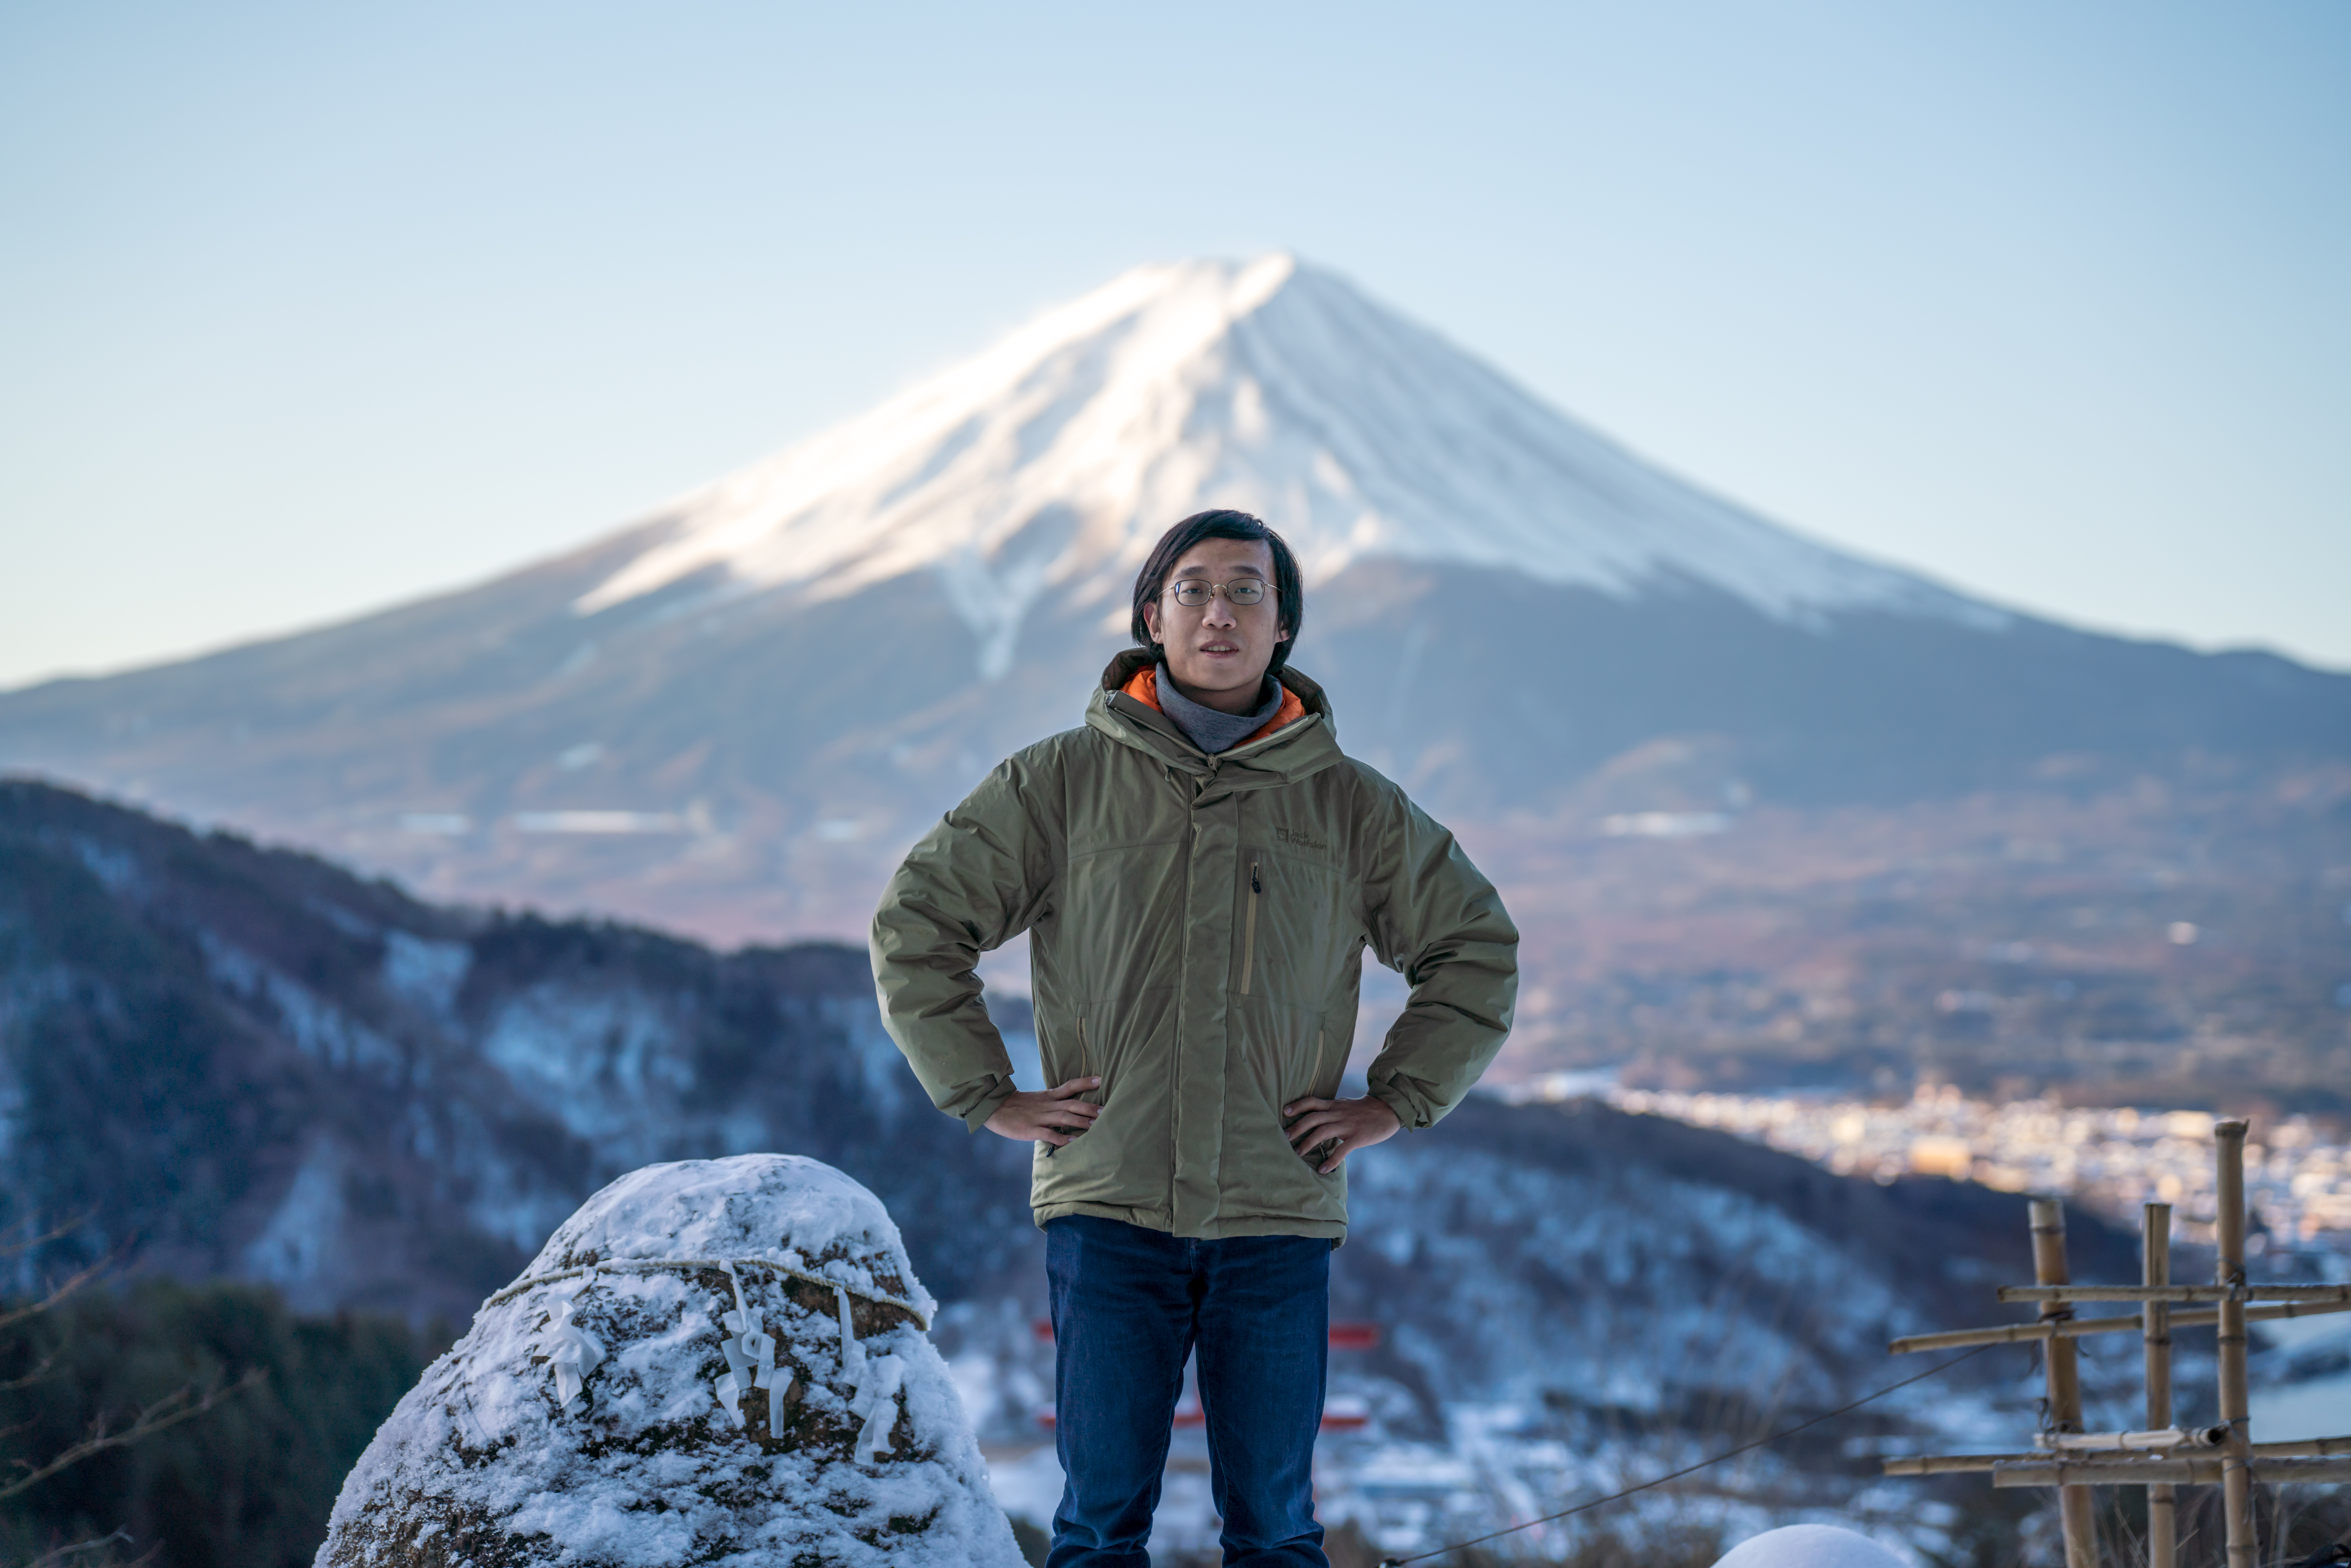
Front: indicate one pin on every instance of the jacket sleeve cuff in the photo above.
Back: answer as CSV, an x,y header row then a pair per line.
x,y
1408,1113
990,1094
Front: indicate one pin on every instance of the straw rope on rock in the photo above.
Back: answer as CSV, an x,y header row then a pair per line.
x,y
715,1362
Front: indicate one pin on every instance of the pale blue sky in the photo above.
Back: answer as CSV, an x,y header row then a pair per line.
x,y
305,309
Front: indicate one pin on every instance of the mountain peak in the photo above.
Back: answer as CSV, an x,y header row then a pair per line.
x,y
1055,458
736,715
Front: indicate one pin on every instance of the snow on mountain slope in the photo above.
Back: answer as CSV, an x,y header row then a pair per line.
x,y
1052,461
734,716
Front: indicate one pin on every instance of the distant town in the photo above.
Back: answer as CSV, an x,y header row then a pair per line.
x,y
2297,1179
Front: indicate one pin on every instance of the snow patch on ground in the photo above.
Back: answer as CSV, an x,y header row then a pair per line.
x,y
589,1060
319,1029
426,973
299,1244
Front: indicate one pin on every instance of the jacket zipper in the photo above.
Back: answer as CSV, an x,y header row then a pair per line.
x,y
1249,933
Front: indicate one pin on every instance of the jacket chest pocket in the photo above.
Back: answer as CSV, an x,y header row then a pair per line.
x,y
1287,923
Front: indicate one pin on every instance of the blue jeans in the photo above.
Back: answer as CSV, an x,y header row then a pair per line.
x,y
1129,1306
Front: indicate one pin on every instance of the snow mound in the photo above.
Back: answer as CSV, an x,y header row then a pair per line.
x,y
715,1362
799,1214
1810,1546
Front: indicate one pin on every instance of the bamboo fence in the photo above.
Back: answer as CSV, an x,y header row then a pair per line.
x,y
2163,1457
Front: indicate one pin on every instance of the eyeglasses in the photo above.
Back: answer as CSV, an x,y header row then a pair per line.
x,y
1192,592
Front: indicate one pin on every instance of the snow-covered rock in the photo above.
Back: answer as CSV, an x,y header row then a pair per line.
x,y
717,1362
1808,1546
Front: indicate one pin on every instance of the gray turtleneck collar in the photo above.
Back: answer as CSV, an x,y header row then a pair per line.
x,y
1208,728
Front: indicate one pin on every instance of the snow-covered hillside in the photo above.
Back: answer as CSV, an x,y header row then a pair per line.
x,y
1049,465
292,1075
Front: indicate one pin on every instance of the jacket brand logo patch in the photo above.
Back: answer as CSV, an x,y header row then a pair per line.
x,y
1298,839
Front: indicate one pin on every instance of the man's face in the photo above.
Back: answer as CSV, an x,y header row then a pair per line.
x,y
1219,650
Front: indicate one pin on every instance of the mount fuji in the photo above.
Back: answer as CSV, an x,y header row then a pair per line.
x,y
732,716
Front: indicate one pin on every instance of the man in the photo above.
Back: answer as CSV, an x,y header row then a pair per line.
x,y
1199,868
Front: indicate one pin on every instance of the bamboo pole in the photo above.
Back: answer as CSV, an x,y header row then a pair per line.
x,y
2073,1475
1952,1464
2236,1480
2074,1503
1955,1464
2265,1314
2082,1328
2011,1334
2154,1268
2153,1439
2242,1292
2330,1448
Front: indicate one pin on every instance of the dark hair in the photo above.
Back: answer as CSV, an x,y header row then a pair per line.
x,y
1288,593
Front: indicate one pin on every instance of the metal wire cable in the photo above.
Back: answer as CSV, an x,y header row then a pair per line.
x,y
1690,1470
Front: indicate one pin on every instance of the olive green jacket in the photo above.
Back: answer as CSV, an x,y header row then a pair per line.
x,y
1196,933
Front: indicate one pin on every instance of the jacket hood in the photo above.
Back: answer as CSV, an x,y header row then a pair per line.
x,y
1297,750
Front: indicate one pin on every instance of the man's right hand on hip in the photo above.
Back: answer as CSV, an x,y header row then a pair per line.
x,y
1054,1116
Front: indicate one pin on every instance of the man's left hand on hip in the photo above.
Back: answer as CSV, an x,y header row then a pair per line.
x,y
1337,1128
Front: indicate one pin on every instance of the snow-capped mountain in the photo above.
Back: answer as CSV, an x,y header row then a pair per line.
x,y
732,716
1049,465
